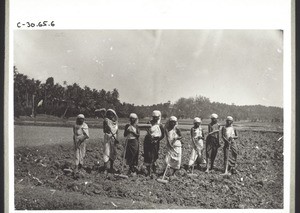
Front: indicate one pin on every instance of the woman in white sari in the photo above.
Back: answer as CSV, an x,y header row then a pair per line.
x,y
197,137
80,136
173,136
110,129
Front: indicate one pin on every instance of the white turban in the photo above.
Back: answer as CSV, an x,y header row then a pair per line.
x,y
197,120
133,115
80,116
229,118
214,116
156,113
173,118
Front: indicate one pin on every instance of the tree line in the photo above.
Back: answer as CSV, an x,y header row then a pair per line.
x,y
33,97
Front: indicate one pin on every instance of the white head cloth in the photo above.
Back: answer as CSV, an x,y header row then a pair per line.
x,y
113,112
80,116
173,118
133,115
214,115
229,118
197,120
157,113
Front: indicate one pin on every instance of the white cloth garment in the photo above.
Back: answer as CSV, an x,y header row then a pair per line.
x,y
197,146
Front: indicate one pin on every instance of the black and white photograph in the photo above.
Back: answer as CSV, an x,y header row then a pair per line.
x,y
149,105
148,119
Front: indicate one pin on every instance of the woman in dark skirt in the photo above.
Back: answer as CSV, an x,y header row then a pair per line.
x,y
229,136
212,142
132,134
151,142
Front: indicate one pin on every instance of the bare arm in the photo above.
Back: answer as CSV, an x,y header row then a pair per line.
x,y
116,135
218,133
105,126
192,134
209,129
126,132
162,132
193,138
85,131
167,138
236,135
223,135
137,132
202,135
213,132
178,132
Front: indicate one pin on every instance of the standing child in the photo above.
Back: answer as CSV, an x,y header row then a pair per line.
x,y
212,142
110,129
152,140
229,135
197,137
132,134
173,136
80,135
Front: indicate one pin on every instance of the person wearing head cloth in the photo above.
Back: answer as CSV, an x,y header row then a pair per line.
x,y
197,136
212,142
80,136
151,142
173,137
132,134
110,129
229,135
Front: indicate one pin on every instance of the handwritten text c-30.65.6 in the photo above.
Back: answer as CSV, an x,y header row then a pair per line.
x,y
39,24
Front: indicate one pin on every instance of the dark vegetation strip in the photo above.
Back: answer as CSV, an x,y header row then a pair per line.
x,y
32,97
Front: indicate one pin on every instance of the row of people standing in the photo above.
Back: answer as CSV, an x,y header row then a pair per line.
x,y
155,133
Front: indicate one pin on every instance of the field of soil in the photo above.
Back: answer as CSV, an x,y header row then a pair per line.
x,y
42,181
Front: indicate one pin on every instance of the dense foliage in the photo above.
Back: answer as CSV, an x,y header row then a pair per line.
x,y
33,97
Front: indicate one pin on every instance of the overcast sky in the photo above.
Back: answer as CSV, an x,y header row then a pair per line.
x,y
244,67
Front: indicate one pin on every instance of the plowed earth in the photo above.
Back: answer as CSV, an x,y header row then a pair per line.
x,y
43,181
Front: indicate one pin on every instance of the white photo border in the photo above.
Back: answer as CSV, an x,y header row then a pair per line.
x,y
154,14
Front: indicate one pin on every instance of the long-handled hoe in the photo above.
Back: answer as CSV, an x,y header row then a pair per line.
x,y
163,178
193,174
122,169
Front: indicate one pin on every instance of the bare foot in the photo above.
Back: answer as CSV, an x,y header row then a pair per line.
x,y
207,171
